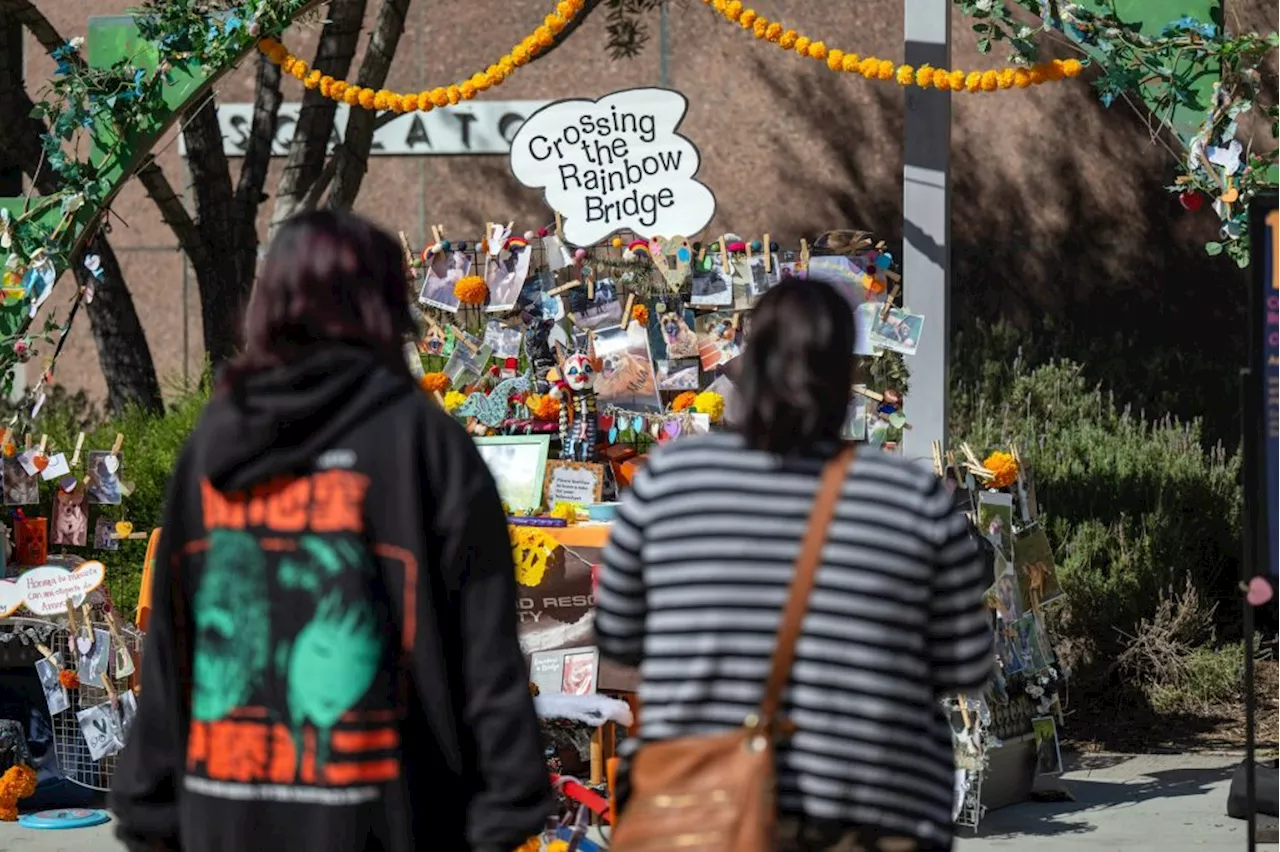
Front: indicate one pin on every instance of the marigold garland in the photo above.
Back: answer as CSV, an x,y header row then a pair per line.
x,y
435,382
873,68
18,782
1004,467
343,92
471,290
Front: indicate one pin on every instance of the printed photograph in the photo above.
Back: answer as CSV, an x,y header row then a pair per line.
x,y
1048,750
601,310
70,518
1030,642
19,488
505,276
679,375
855,423
579,674
104,535
104,478
1008,651
465,365
672,335
1037,578
99,729
518,466
504,340
713,285
55,694
995,521
626,377
1005,594
899,331
718,340
445,270
759,281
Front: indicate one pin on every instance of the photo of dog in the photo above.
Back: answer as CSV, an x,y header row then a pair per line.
x,y
680,340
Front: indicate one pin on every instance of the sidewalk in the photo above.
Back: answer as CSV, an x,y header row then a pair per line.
x,y
1124,802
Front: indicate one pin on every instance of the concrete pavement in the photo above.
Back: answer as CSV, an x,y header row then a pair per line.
x,y
1123,803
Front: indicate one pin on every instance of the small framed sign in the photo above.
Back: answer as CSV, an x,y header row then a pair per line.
x,y
573,482
566,671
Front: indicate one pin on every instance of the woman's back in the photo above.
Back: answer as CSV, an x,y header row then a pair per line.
x,y
697,574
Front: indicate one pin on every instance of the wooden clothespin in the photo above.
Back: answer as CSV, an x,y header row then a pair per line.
x,y
888,303
71,619
748,245
40,646
591,287
724,253
563,288
869,394
559,225
44,443
937,458
804,254
75,456
964,710
465,339
87,613
110,688
626,311
408,252
118,445
768,254
26,441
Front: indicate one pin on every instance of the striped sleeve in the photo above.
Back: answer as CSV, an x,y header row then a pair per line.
x,y
961,652
620,599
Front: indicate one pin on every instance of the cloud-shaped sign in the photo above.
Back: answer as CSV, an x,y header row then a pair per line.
x,y
614,164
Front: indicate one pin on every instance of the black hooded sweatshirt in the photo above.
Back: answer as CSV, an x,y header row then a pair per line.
x,y
332,661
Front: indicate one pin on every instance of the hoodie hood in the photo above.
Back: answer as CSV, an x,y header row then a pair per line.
x,y
278,421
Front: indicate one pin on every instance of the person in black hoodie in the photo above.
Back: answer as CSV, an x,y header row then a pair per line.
x,y
332,661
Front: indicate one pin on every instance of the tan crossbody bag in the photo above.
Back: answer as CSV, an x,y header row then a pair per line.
x,y
718,793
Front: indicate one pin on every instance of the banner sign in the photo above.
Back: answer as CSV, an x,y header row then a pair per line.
x,y
615,164
476,127
1265,363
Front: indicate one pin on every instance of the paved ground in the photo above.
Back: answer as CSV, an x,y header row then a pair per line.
x,y
1123,803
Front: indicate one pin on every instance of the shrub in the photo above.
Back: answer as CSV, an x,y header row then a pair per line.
x,y
1133,505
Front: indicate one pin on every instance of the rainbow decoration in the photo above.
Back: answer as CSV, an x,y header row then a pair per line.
x,y
640,247
514,243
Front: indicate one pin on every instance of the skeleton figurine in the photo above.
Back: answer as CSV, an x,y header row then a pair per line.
x,y
573,387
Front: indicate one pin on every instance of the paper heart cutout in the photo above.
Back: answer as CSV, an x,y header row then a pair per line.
x,y
67,483
1260,591
111,463
84,644
672,428
40,461
606,422
123,529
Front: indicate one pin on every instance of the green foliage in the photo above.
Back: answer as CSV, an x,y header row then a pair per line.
x,y
1132,504
151,449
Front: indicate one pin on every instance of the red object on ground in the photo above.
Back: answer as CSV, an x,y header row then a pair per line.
x,y
580,794
1191,201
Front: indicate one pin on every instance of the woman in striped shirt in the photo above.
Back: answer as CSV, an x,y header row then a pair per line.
x,y
697,572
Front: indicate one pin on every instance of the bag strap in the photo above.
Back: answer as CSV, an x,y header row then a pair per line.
x,y
802,581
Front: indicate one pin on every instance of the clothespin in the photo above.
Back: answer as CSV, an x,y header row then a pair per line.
x,y
118,445
75,456
748,245
559,225
735,319
724,253
937,458
40,646
464,338
591,288
888,303
27,442
768,259
964,710
626,311
869,394
110,688
44,443
804,254
71,617
439,398
565,287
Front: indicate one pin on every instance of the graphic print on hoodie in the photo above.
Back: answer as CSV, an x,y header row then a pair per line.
x,y
291,684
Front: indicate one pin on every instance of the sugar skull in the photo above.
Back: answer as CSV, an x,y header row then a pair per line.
x,y
579,372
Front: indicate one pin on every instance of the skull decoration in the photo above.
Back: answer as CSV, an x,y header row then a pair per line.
x,y
579,372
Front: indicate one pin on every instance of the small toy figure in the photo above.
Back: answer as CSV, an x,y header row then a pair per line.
x,y
574,387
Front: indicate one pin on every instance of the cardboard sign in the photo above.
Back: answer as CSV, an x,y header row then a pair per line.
x,y
573,482
45,590
615,164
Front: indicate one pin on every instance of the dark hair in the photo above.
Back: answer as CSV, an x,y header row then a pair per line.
x,y
797,368
329,277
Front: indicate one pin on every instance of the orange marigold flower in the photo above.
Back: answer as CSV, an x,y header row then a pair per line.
x,y
1004,467
409,102
956,80
1006,78
788,40
471,290
69,679
924,76
1072,67
774,31
747,18
973,81
367,97
1036,73
439,97
683,401
435,382
817,50
640,314
850,62
1021,78
467,90
835,59
454,93
990,81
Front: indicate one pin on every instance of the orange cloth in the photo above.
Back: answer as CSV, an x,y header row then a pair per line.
x,y
144,592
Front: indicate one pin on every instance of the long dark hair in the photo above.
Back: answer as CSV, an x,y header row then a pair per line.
x,y
797,368
330,277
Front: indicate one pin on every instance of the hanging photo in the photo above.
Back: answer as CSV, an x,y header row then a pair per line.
x,y
432,342
1030,645
672,336
19,488
899,331
99,728
1004,594
855,423
1048,750
1037,578
713,284
443,272
995,521
679,375
601,310
504,340
760,280
104,535
626,376
55,694
505,276
31,541
70,518
466,364
104,478
56,467
93,665
718,339
842,273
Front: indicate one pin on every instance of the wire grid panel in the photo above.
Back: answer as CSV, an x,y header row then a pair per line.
x,y
68,739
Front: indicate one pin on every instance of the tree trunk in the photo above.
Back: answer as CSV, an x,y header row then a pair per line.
x,y
334,54
123,353
253,171
358,140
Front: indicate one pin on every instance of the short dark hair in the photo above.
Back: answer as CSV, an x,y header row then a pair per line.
x,y
329,277
797,367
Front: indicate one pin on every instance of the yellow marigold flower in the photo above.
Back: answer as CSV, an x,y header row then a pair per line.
x,y
774,31
507,64
1006,78
747,18
313,79
1072,67
565,10
439,97
338,89
409,103
555,23
286,64
990,81
760,28
851,61
942,80
453,399
1053,70
1021,78
835,59
711,404
299,69
733,10
885,70
467,90
351,96
906,75
924,76
454,94
802,45
367,97
973,81
868,66
788,40
1036,73
956,79
817,50
380,100
519,55
720,5
1004,467
544,35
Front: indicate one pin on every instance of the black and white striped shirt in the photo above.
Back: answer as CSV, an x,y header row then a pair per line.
x,y
695,578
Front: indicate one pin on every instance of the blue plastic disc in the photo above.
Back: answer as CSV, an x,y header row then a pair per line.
x,y
64,818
